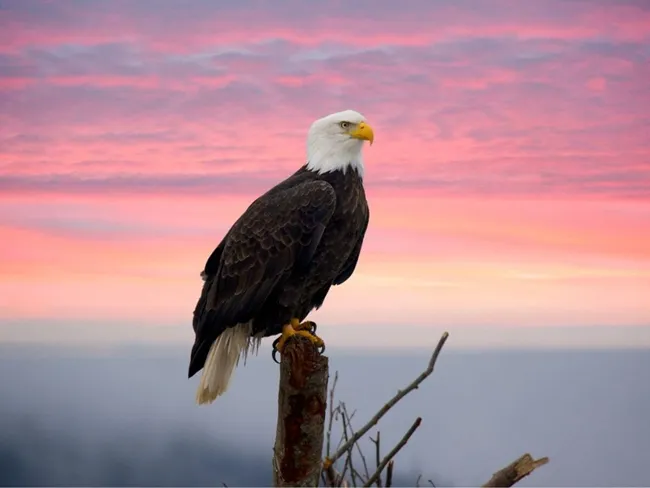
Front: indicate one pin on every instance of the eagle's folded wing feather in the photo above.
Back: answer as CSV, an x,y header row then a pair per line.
x,y
353,259
277,232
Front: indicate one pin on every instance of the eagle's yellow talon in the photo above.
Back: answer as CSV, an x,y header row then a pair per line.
x,y
306,325
294,327
287,331
317,341
327,463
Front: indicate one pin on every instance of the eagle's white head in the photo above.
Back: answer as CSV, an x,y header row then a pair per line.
x,y
335,142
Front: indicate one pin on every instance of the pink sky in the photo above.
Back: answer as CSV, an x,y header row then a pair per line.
x,y
509,181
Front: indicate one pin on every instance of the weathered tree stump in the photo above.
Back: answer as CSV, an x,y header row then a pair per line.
x,y
516,471
302,403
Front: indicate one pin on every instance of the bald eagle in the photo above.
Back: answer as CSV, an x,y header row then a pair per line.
x,y
279,260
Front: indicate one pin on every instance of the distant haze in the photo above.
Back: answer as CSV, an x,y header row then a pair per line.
x,y
126,416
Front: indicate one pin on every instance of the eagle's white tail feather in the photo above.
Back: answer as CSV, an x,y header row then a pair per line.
x,y
222,359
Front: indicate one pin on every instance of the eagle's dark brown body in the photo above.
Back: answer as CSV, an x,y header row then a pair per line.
x,y
279,260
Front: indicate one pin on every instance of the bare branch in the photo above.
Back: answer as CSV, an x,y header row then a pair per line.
x,y
394,451
391,403
389,473
417,481
515,471
377,455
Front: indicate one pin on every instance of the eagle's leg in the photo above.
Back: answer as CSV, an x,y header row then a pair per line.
x,y
297,328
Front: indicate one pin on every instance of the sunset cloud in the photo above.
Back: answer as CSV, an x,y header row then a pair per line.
x,y
364,23
511,136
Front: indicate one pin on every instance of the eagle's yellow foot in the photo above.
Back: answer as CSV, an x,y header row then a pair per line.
x,y
307,325
305,329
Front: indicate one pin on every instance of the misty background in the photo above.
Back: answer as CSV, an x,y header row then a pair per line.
x,y
125,415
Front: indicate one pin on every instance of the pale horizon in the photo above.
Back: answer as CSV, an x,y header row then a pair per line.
x,y
96,336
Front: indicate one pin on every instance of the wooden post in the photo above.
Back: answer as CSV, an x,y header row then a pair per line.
x,y
302,403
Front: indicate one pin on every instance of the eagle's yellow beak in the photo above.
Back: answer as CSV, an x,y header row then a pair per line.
x,y
364,132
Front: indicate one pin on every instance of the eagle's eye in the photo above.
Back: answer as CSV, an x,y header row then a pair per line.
x,y
344,125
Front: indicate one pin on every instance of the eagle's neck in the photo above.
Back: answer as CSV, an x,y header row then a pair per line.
x,y
325,157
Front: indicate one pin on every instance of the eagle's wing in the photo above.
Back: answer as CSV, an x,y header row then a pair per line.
x,y
353,259
209,271
278,231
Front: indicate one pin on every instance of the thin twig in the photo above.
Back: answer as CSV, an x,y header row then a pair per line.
x,y
348,460
431,483
389,473
363,457
394,451
331,476
329,428
342,440
346,464
377,455
417,481
351,415
334,478
400,394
